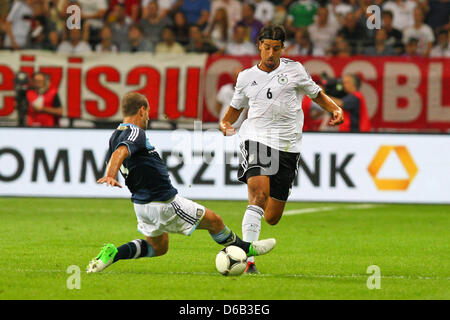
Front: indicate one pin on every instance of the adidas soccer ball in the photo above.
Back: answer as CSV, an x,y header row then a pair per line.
x,y
231,261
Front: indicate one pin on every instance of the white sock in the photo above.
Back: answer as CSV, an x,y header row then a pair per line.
x,y
251,225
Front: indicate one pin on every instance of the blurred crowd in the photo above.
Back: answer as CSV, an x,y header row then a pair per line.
x,y
317,28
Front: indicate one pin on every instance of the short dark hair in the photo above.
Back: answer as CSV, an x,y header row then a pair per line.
x,y
136,26
387,13
273,32
132,102
251,6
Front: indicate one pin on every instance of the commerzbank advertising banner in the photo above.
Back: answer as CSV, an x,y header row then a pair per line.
x,y
399,168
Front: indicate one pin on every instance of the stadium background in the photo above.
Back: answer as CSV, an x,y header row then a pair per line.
x,y
403,160
405,93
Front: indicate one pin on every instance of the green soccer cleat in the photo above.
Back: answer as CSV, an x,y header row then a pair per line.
x,y
261,247
104,259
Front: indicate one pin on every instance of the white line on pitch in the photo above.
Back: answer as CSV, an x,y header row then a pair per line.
x,y
270,275
330,208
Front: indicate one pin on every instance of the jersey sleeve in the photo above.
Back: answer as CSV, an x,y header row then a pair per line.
x,y
134,139
305,83
239,100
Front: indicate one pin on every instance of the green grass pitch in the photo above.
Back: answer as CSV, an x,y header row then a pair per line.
x,y
323,252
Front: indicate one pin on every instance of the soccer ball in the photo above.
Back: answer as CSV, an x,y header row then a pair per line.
x,y
231,261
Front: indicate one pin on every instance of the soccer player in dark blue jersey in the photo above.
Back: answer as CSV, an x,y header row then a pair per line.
x,y
158,206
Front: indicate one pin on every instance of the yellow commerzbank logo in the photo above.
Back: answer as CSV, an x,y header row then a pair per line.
x,y
406,160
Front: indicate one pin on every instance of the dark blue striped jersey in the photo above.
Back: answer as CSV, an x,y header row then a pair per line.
x,y
145,174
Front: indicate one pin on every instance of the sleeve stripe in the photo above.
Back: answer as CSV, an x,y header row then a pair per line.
x,y
134,134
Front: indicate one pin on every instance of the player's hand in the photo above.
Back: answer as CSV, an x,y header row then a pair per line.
x,y
109,182
338,117
226,128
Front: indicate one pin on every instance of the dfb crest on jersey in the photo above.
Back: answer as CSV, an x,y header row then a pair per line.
x,y
282,79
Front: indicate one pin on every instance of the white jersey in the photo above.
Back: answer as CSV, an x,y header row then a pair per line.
x,y
274,99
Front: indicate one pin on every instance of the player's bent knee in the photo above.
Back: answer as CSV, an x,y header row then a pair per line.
x,y
164,250
218,220
160,244
161,250
258,197
272,220
211,222
258,191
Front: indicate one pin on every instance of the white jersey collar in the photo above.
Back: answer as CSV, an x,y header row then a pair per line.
x,y
273,71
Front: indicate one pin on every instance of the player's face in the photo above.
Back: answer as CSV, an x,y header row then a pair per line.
x,y
270,53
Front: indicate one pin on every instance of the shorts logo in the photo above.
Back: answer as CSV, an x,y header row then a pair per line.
x,y
199,213
392,184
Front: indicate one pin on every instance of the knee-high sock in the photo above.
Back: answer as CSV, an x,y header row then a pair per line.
x,y
134,249
227,237
251,224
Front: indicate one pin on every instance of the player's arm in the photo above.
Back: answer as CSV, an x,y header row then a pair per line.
x,y
338,101
230,117
326,103
113,166
237,104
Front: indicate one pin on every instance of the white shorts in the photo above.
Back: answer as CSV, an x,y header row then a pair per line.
x,y
180,215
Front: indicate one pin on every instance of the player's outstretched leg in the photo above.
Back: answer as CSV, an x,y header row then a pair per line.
x,y
139,248
226,237
258,193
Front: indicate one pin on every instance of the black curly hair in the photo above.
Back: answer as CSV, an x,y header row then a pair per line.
x,y
272,32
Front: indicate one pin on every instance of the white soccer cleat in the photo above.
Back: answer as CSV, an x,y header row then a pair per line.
x,y
103,260
261,247
97,266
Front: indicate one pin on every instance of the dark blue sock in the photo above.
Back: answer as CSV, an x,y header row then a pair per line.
x,y
134,249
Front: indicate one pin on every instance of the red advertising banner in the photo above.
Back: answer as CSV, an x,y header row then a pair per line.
x,y
90,86
408,94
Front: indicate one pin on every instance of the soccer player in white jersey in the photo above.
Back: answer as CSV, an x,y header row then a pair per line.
x,y
271,136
